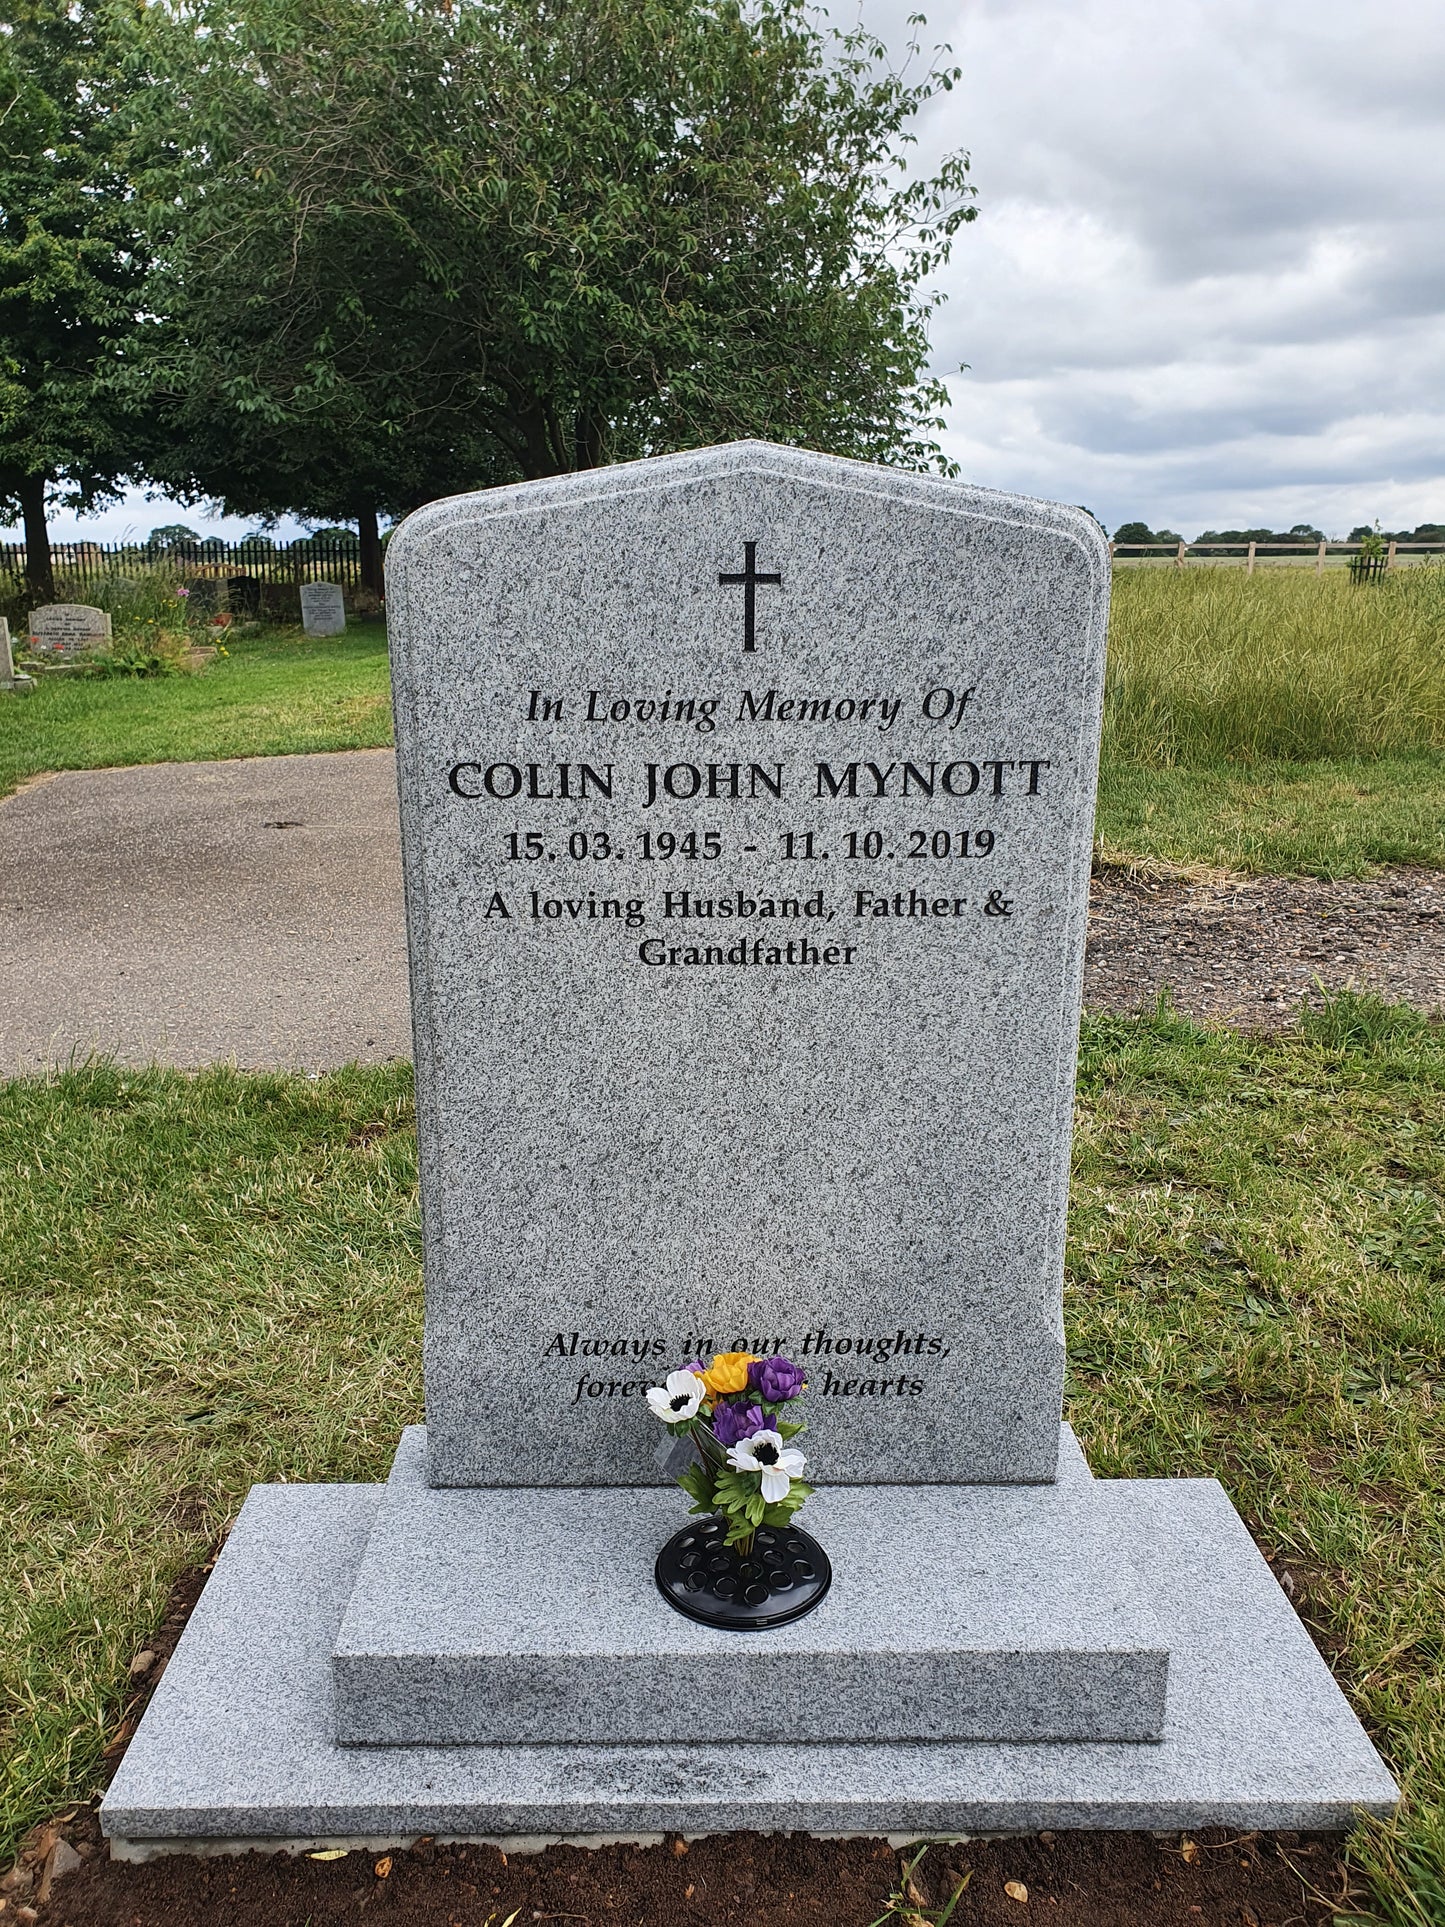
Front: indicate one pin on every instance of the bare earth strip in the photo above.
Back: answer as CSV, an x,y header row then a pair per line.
x,y
1245,950
194,913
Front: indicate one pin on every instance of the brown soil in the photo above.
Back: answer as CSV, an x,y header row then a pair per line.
x,y
1245,950
738,1880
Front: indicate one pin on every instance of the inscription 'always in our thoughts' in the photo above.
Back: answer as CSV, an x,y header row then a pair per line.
x,y
880,1365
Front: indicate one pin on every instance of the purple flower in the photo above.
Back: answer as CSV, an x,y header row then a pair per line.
x,y
695,1366
776,1379
733,1423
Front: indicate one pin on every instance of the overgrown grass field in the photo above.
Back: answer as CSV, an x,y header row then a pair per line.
x,y
1210,666
1276,722
212,1280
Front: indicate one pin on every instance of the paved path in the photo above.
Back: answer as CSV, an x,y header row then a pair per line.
x,y
252,912
196,912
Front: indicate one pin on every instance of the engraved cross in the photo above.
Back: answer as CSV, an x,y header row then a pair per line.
x,y
750,577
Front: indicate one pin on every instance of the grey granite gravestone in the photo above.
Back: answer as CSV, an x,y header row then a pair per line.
x,y
323,609
747,805
746,808
63,631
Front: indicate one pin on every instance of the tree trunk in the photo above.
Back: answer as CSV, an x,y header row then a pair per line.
x,y
371,571
590,437
39,570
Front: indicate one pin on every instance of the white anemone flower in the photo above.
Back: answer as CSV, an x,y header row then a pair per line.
x,y
765,1452
678,1399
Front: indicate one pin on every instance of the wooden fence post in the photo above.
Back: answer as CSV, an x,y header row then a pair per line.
x,y
1320,560
1249,564
1179,559
1390,557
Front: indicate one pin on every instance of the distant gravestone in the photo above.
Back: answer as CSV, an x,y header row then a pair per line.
x,y
323,609
65,630
243,593
17,684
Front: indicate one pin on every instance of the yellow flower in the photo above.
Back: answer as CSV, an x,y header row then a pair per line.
x,y
728,1372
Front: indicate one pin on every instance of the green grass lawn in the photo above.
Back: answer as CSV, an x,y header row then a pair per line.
x,y
212,1280
276,693
1317,818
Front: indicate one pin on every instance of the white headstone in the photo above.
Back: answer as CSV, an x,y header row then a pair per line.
x,y
67,629
19,685
323,609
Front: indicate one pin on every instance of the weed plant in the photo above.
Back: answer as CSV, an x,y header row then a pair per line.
x,y
210,1280
1210,666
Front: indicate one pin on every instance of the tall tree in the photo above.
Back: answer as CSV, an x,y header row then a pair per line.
x,y
71,267
414,246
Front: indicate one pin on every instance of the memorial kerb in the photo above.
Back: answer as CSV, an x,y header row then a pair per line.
x,y
10,679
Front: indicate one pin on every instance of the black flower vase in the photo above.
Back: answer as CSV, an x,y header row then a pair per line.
x,y
783,1575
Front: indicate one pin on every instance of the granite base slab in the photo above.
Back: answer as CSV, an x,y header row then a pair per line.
x,y
501,1616
238,1744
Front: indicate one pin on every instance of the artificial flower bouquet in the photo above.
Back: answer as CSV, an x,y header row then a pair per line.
x,y
734,1412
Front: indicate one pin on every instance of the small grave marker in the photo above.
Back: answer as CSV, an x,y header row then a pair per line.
x,y
323,609
9,677
64,631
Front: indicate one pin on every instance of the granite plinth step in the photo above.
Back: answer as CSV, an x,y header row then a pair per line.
x,y
510,1617
238,1746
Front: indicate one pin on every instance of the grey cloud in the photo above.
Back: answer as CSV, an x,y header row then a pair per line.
x,y
1209,270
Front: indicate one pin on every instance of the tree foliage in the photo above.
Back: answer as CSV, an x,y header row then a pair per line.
x,y
72,266
414,246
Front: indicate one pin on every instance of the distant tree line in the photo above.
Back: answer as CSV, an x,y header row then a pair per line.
x,y
335,258
1139,534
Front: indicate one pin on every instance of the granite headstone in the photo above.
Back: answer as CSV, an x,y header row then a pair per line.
x,y
746,804
65,630
323,609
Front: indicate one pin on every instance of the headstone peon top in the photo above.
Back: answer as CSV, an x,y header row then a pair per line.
x,y
747,805
323,609
67,629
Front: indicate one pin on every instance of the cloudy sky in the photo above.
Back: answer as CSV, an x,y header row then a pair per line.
x,y
1206,286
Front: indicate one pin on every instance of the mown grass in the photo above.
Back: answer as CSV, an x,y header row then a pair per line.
x,y
213,1280
277,693
1319,818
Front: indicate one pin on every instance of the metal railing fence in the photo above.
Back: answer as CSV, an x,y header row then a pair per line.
x,y
81,564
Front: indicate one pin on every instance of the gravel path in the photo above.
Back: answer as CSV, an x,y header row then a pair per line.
x,y
1244,950
252,911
